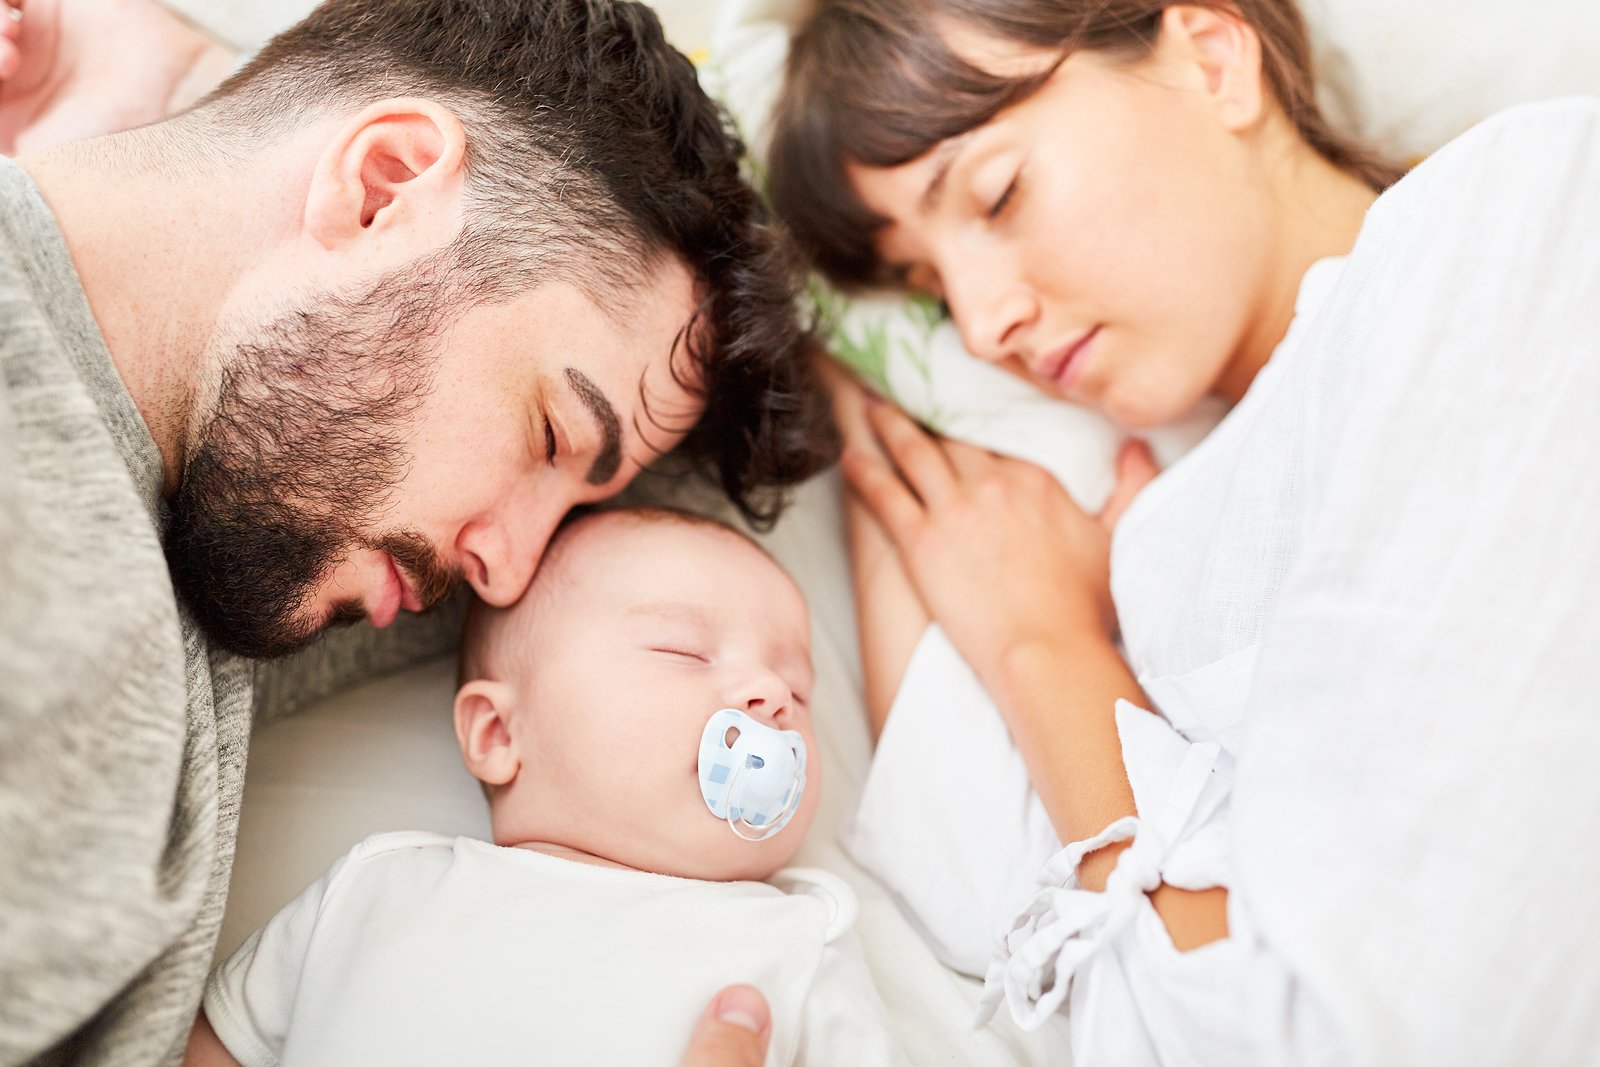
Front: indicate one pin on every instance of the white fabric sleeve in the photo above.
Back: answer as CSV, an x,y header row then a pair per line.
x,y
250,996
1418,796
1133,998
947,818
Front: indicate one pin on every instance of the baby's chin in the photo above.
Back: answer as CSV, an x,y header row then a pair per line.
x,y
719,855
684,842
710,851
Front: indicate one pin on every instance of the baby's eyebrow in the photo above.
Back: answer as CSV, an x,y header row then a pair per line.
x,y
668,609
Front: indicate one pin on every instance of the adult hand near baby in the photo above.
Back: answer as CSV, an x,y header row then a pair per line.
x,y
72,69
1001,555
733,1031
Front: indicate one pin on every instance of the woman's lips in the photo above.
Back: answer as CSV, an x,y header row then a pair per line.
x,y
1065,366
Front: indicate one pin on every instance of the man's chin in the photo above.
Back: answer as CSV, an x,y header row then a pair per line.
x,y
268,637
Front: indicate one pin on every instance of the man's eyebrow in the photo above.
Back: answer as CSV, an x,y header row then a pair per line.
x,y
944,158
609,461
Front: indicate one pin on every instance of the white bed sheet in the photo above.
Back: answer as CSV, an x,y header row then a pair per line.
x,y
383,757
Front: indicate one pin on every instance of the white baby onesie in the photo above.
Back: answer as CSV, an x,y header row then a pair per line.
x,y
421,949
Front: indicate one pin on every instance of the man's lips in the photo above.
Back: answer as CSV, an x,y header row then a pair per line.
x,y
1064,366
395,594
408,595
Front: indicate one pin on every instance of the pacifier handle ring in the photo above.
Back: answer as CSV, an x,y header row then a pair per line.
x,y
777,824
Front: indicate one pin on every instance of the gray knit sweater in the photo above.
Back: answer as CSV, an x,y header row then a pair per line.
x,y
122,734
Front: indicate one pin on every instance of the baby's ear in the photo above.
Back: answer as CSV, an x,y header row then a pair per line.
x,y
483,730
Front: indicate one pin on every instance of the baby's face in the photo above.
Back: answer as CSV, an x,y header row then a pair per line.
x,y
640,632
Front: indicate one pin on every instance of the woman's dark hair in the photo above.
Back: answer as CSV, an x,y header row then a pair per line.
x,y
877,83
592,153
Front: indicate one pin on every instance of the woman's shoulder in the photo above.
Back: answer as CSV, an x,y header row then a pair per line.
x,y
1469,292
1549,147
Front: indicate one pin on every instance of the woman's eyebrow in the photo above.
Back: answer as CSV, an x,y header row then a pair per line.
x,y
944,157
609,460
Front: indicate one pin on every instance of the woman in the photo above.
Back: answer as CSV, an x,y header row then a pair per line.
x,y
1363,586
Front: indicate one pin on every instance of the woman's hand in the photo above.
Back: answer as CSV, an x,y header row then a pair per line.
x,y
1001,555
72,69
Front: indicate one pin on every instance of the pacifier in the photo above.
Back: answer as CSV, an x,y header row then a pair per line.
x,y
751,774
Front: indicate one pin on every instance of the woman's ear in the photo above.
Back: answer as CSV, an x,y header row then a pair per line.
x,y
1226,50
397,164
483,730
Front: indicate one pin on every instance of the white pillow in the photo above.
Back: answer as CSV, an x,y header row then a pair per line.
x,y
1409,75
250,23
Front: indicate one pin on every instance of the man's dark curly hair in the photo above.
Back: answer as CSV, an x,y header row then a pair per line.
x,y
592,152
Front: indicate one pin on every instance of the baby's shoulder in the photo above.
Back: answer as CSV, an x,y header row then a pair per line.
x,y
398,855
832,897
401,845
402,841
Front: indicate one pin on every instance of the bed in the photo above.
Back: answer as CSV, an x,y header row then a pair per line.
x,y
383,757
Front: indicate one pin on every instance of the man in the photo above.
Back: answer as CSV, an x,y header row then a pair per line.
x,y
371,318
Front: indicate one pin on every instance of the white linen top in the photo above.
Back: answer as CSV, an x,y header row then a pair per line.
x,y
1373,590
417,948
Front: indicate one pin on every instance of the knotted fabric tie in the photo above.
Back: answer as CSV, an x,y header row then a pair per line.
x,y
1064,926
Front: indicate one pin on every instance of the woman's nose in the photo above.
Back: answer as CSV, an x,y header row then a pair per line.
x,y
992,310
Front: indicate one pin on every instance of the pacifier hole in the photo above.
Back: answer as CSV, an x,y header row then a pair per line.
x,y
756,763
731,736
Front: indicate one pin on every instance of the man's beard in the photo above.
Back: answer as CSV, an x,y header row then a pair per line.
x,y
298,460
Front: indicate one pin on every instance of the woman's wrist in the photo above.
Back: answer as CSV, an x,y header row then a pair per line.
x,y
1075,651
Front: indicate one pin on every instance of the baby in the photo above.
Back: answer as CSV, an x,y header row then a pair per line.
x,y
639,722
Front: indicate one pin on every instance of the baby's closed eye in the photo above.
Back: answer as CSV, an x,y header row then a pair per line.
x,y
684,652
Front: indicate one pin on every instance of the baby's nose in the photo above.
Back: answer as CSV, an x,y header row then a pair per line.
x,y
771,710
763,696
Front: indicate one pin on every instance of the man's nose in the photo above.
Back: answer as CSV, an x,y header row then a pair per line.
x,y
501,552
992,308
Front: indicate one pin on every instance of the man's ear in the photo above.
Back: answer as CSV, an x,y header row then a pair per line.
x,y
483,730
397,164
1227,52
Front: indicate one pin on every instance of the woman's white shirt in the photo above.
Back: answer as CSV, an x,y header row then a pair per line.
x,y
1373,592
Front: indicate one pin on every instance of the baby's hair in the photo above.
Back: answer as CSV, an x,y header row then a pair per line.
x,y
487,627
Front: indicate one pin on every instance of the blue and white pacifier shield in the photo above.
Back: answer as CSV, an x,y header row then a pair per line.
x,y
755,783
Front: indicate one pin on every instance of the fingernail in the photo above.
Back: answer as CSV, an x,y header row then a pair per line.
x,y
735,1017
743,1007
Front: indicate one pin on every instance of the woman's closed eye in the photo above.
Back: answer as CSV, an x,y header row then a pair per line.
x,y
1005,199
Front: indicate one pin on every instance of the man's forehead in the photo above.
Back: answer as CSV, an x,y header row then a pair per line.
x,y
656,328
